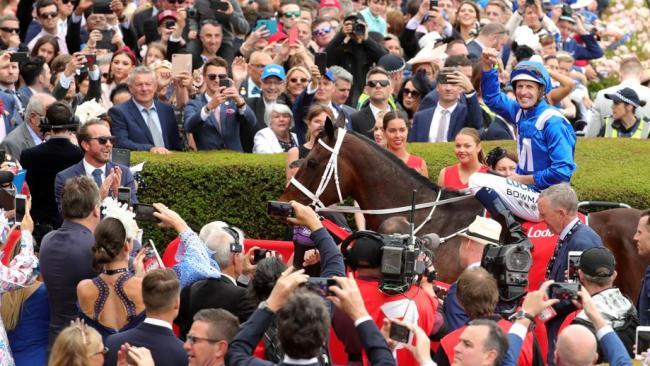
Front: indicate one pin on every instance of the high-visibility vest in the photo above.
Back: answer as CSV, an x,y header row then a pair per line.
x,y
642,130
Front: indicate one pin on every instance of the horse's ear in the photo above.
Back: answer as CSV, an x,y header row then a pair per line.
x,y
329,129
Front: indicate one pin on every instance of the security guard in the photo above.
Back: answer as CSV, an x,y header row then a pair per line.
x,y
623,121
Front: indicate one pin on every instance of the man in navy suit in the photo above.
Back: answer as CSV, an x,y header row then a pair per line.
x,y
208,339
442,122
142,123
9,75
97,143
214,118
160,294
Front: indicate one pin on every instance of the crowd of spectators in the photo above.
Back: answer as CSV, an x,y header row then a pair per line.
x,y
80,79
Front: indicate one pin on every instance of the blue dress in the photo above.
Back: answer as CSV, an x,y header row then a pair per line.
x,y
133,319
28,340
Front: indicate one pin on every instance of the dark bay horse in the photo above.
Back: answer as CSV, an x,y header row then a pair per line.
x,y
377,179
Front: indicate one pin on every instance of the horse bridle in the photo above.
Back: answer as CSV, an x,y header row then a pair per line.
x,y
332,169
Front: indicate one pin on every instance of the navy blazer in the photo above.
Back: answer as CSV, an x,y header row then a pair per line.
x,y
301,107
9,106
205,133
132,131
465,115
24,93
79,170
165,347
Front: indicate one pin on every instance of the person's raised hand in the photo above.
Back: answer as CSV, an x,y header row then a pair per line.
x,y
169,218
248,263
347,297
117,40
14,40
5,59
118,8
94,37
159,150
141,356
107,185
315,75
284,287
138,263
421,350
27,223
117,181
229,11
423,10
489,58
304,216
239,70
385,332
83,6
536,301
460,79
311,257
260,33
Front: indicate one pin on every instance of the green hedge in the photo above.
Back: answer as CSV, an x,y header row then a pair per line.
x,y
206,186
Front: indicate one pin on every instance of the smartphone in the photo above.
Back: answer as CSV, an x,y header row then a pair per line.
x,y
106,42
259,254
563,291
224,83
433,4
279,209
293,36
181,62
219,5
573,264
399,333
7,199
91,60
124,195
20,57
121,156
152,258
144,212
321,62
270,24
102,7
642,339
321,285
21,207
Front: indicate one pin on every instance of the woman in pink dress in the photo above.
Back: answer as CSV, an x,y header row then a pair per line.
x,y
396,131
470,160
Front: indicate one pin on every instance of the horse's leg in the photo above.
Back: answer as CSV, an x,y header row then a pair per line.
x,y
617,227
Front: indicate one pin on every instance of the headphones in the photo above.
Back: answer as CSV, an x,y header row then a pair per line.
x,y
72,123
350,257
235,246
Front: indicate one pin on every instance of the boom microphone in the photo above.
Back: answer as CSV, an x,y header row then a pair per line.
x,y
431,241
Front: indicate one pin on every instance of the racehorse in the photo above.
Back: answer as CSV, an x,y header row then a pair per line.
x,y
345,164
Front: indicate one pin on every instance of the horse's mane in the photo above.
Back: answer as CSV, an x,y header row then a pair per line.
x,y
397,161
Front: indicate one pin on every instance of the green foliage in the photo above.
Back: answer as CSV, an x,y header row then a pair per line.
x,y
234,187
595,86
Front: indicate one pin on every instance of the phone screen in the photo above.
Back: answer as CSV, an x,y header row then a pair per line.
x,y
21,207
321,62
124,195
399,333
642,339
573,266
144,212
279,209
151,258
19,57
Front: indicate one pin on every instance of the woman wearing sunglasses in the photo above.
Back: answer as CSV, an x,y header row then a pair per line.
x,y
412,92
297,80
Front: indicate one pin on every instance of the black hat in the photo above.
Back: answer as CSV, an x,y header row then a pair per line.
x,y
59,116
597,262
391,63
626,95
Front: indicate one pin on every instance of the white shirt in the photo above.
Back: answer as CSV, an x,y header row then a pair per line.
x,y
567,228
230,278
158,322
90,169
375,111
437,113
153,111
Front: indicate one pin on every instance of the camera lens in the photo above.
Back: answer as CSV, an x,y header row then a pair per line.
x,y
518,260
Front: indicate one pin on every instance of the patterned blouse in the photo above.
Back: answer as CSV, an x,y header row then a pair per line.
x,y
194,260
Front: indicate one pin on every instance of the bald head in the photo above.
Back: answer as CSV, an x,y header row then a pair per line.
x,y
576,346
257,62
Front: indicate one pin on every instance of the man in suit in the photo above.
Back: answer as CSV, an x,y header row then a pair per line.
x,y
558,207
214,118
143,123
208,46
36,74
160,290
29,133
208,339
9,75
45,161
273,86
631,70
97,143
442,122
66,253
250,83
378,88
492,35
228,247
319,91
9,34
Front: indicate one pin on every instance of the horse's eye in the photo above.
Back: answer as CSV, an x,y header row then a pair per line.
x,y
312,163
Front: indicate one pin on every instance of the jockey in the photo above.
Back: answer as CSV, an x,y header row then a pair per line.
x,y
545,144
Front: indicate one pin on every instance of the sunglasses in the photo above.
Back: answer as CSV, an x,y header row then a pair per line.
x,y
104,139
376,83
50,15
411,92
321,32
301,80
213,77
175,1
169,24
291,14
193,339
65,2
10,30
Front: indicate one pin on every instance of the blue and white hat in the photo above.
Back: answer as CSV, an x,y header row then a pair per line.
x,y
273,70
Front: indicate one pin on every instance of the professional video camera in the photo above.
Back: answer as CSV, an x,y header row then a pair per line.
x,y
509,264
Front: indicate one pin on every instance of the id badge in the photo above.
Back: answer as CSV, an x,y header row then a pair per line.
x,y
547,314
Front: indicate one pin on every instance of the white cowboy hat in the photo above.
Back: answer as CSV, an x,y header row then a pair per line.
x,y
483,230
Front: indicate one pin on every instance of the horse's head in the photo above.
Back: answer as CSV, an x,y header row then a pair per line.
x,y
325,173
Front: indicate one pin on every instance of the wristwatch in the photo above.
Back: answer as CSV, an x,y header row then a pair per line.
x,y
521,314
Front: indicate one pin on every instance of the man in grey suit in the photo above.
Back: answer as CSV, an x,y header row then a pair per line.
x,y
214,118
28,134
631,70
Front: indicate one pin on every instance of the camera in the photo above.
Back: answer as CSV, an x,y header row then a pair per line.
x,y
359,28
191,12
563,291
259,254
321,285
399,333
509,264
279,210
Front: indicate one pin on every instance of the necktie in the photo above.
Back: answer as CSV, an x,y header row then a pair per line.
x,y
217,117
154,129
97,177
442,124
